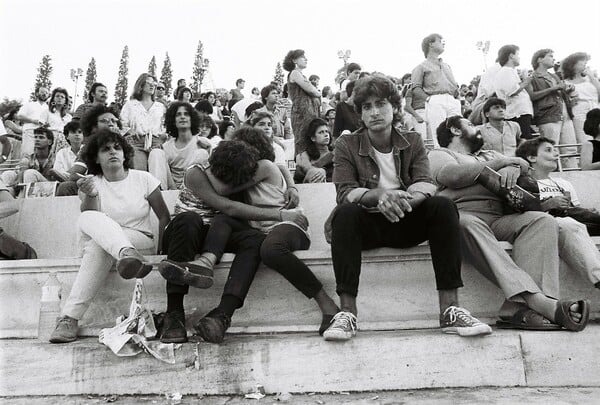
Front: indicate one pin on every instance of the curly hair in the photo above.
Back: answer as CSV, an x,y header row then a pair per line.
x,y
65,108
259,115
567,66
375,85
309,132
444,134
288,61
98,140
234,162
89,121
170,118
255,138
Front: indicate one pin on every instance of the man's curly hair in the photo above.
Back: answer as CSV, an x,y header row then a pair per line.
x,y
89,121
170,118
100,138
256,139
234,162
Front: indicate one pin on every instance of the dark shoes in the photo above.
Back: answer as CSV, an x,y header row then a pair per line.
x,y
173,328
183,273
66,330
212,327
132,264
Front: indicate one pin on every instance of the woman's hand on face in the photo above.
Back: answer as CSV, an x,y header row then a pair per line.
x,y
87,186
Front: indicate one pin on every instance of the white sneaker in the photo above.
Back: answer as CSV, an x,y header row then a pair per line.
x,y
459,321
343,327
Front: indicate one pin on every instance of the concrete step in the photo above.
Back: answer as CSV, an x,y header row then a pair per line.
x,y
301,363
397,291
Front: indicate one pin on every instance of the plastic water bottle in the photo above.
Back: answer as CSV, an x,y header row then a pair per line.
x,y
49,307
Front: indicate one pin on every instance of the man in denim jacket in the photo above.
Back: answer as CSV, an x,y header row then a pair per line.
x,y
384,198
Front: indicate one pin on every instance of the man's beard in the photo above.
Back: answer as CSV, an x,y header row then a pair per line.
x,y
474,142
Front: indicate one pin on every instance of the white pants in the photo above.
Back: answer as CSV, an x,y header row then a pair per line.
x,y
437,109
421,127
26,143
33,176
103,239
159,168
577,249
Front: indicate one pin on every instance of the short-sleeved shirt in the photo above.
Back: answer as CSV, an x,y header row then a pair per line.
x,y
180,159
142,121
506,82
436,78
32,110
126,201
557,187
65,158
505,142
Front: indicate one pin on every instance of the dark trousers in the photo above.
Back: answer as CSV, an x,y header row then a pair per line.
x,y
184,238
355,230
275,252
524,122
11,248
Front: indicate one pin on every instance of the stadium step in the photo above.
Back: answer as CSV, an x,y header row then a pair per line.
x,y
304,362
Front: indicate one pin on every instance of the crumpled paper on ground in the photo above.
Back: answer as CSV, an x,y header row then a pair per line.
x,y
129,336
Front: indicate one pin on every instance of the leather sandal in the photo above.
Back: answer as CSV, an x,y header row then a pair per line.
x,y
562,315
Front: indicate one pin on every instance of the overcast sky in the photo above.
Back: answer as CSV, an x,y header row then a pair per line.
x,y
247,38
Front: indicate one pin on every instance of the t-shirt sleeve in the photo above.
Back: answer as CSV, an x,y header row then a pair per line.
x,y
2,128
438,159
568,186
151,182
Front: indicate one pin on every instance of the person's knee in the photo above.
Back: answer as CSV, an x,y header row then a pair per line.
x,y
30,176
346,212
570,225
67,188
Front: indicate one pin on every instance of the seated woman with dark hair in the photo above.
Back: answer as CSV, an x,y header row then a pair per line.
x,y
116,204
235,167
315,164
184,94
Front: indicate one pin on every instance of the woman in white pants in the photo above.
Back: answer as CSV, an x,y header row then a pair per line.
x,y
114,222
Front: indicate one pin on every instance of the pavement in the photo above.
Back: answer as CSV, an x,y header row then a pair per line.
x,y
504,396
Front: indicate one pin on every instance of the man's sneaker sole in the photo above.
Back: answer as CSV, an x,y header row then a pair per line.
x,y
180,274
62,339
337,336
478,330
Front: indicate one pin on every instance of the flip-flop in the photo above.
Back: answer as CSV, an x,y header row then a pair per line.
x,y
562,314
527,319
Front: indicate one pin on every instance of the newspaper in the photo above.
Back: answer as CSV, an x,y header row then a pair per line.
x,y
130,335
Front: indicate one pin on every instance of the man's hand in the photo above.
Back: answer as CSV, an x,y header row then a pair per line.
x,y
523,164
558,202
295,216
509,176
393,204
291,198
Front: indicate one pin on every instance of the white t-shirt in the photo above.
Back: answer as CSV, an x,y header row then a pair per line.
x,y
32,110
388,178
2,128
65,158
506,82
126,201
180,159
556,188
279,154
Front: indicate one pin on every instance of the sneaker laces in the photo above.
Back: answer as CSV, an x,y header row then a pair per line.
x,y
344,320
65,320
460,313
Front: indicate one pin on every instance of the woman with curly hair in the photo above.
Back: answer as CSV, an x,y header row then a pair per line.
x,y
576,72
315,164
115,222
306,98
182,150
57,116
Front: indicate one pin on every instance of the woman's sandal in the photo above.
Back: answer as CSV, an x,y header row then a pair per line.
x,y
562,314
527,319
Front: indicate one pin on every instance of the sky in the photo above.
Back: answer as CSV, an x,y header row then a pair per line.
x,y
245,39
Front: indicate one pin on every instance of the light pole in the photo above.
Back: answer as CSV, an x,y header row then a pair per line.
x,y
75,75
484,47
345,55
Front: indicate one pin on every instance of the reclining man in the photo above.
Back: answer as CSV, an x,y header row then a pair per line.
x,y
383,192
530,282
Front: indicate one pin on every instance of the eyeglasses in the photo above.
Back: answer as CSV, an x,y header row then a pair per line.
x,y
160,88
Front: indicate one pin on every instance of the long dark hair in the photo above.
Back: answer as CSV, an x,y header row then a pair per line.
x,y
311,147
52,106
170,126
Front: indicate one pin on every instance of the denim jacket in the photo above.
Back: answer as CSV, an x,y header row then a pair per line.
x,y
355,170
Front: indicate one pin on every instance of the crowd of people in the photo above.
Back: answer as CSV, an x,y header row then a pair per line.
x,y
405,156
